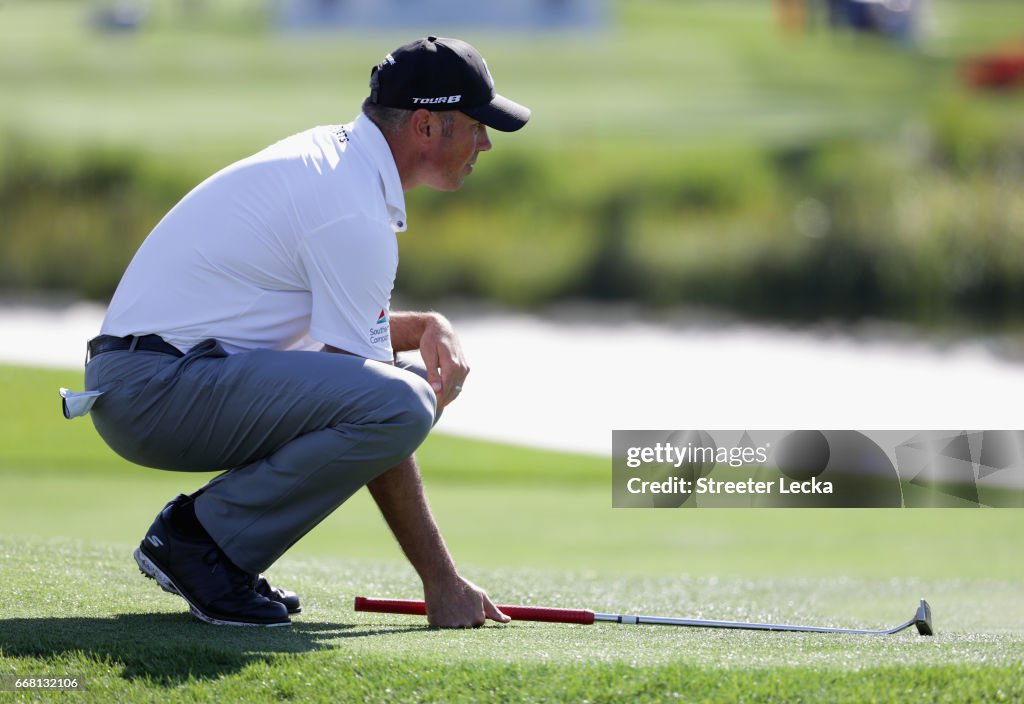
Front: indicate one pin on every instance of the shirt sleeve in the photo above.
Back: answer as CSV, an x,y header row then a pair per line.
x,y
351,265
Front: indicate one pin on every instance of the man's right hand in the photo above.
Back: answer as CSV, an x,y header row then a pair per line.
x,y
460,604
452,601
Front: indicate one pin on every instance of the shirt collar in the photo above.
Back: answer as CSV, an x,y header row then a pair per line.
x,y
380,153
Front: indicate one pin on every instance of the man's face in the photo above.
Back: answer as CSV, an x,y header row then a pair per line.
x,y
461,139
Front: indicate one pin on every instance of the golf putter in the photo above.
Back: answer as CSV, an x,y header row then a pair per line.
x,y
922,620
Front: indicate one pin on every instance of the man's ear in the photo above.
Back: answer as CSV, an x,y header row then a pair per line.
x,y
420,124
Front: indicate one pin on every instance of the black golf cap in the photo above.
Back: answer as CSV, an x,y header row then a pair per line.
x,y
443,74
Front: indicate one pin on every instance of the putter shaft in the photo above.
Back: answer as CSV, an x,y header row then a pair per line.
x,y
922,619
739,625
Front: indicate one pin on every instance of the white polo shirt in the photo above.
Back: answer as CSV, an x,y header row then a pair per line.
x,y
291,247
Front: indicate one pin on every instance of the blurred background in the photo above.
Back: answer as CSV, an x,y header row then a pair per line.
x,y
785,160
777,162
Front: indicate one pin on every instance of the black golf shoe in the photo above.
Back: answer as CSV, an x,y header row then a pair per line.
x,y
282,596
259,583
216,590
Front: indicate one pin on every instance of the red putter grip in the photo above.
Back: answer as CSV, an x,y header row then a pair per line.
x,y
549,614
517,613
391,606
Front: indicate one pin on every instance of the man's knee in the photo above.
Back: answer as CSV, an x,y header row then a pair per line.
x,y
413,363
413,405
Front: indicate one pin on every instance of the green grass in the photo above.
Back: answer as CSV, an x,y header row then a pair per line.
x,y
532,527
136,644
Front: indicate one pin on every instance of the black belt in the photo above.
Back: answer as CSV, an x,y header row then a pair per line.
x,y
145,343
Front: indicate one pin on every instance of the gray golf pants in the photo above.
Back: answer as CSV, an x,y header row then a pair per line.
x,y
297,432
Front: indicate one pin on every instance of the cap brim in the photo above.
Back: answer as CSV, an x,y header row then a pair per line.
x,y
501,114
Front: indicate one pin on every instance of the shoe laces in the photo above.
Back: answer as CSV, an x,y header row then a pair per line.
x,y
240,580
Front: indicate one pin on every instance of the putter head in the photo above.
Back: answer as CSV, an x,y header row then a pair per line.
x,y
923,619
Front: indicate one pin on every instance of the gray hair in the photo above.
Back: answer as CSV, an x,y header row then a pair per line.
x,y
390,121
447,123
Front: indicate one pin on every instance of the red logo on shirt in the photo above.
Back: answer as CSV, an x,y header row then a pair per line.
x,y
383,317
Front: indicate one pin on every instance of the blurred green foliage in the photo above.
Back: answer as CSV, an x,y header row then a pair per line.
x,y
688,154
